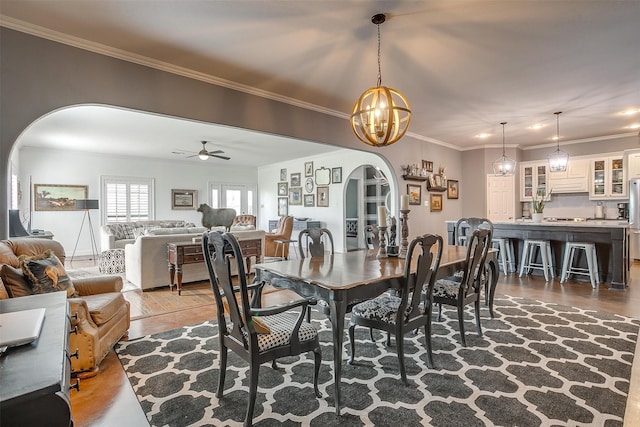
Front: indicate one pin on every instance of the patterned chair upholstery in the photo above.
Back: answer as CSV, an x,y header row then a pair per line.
x,y
460,291
272,332
402,313
243,222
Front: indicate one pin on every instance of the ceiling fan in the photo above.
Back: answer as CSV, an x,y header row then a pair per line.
x,y
204,154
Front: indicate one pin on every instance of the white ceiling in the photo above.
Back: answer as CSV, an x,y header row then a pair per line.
x,y
465,66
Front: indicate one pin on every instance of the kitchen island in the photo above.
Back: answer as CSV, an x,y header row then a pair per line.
x,y
611,239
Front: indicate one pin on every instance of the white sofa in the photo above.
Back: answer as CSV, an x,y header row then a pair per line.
x,y
146,262
117,235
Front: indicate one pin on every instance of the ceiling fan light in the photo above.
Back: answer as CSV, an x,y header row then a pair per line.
x,y
203,155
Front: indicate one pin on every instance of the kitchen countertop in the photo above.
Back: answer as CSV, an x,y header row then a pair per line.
x,y
604,223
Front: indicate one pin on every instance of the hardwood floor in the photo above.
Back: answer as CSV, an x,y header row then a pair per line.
x,y
108,400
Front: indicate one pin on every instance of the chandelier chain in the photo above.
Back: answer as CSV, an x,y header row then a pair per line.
x,y
379,67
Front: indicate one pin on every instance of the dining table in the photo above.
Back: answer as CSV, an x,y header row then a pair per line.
x,y
345,279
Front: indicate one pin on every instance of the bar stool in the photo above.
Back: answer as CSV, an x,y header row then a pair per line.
x,y
568,268
505,248
528,258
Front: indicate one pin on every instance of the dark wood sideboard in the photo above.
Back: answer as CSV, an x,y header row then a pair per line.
x,y
36,377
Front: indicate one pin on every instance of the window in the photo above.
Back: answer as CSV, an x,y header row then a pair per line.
x,y
127,199
242,198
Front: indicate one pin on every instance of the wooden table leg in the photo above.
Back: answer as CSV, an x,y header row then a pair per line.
x,y
172,273
338,311
179,275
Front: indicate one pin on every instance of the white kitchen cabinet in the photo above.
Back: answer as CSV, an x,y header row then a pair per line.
x,y
633,165
608,178
533,178
574,180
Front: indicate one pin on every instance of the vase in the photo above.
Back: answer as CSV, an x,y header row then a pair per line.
x,y
537,217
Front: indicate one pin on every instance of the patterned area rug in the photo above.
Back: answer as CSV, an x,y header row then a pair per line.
x,y
537,364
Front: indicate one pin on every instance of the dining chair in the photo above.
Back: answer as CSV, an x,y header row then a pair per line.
x,y
399,314
258,335
311,242
461,291
463,229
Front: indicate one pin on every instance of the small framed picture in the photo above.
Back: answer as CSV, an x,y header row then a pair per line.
x,y
283,206
435,202
295,195
452,189
427,165
415,194
438,180
296,180
283,189
309,200
283,174
184,199
336,175
308,169
323,197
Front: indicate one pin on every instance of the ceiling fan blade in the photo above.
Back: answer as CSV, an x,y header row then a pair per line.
x,y
215,152
191,156
220,157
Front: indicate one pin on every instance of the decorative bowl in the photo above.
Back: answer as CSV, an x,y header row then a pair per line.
x,y
301,219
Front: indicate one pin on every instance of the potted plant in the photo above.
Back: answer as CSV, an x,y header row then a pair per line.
x,y
537,204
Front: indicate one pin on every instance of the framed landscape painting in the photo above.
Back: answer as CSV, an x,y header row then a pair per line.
x,y
184,199
55,197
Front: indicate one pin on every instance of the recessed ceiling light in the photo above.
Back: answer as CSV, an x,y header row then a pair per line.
x,y
634,126
555,138
536,126
483,135
630,112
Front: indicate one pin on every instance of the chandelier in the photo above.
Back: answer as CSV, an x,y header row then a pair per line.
x,y
381,116
504,166
558,160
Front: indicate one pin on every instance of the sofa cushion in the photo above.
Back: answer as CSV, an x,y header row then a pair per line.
x,y
7,256
46,273
102,307
3,290
14,282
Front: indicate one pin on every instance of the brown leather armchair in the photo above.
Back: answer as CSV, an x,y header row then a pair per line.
x,y
283,231
102,312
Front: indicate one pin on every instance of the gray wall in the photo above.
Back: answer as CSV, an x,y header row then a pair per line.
x,y
39,76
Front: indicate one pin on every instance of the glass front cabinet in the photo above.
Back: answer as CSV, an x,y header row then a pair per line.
x,y
534,178
607,178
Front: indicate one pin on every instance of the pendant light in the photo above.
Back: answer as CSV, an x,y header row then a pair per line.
x,y
558,160
504,166
381,115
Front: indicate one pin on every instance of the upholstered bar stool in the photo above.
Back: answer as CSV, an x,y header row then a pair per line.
x,y
529,258
505,248
568,268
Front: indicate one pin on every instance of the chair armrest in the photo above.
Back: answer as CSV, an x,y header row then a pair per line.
x,y
281,308
97,285
80,314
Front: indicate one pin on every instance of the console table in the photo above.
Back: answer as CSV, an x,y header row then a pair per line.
x,y
35,377
297,225
181,253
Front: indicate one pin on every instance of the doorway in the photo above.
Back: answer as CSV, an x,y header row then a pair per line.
x,y
501,198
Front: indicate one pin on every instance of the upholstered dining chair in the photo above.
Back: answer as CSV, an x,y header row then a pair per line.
x,y
258,335
461,291
463,229
313,241
399,314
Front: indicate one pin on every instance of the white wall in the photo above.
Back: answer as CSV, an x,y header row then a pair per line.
x,y
46,166
333,216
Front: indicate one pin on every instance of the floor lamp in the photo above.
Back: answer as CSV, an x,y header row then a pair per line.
x,y
86,205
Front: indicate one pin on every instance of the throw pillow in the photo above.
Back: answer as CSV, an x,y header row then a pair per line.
x,y
46,274
259,324
14,282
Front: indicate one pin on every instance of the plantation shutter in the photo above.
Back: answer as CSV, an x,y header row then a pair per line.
x,y
127,199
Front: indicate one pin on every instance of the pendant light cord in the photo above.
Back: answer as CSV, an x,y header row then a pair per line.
x,y
379,67
558,129
503,123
